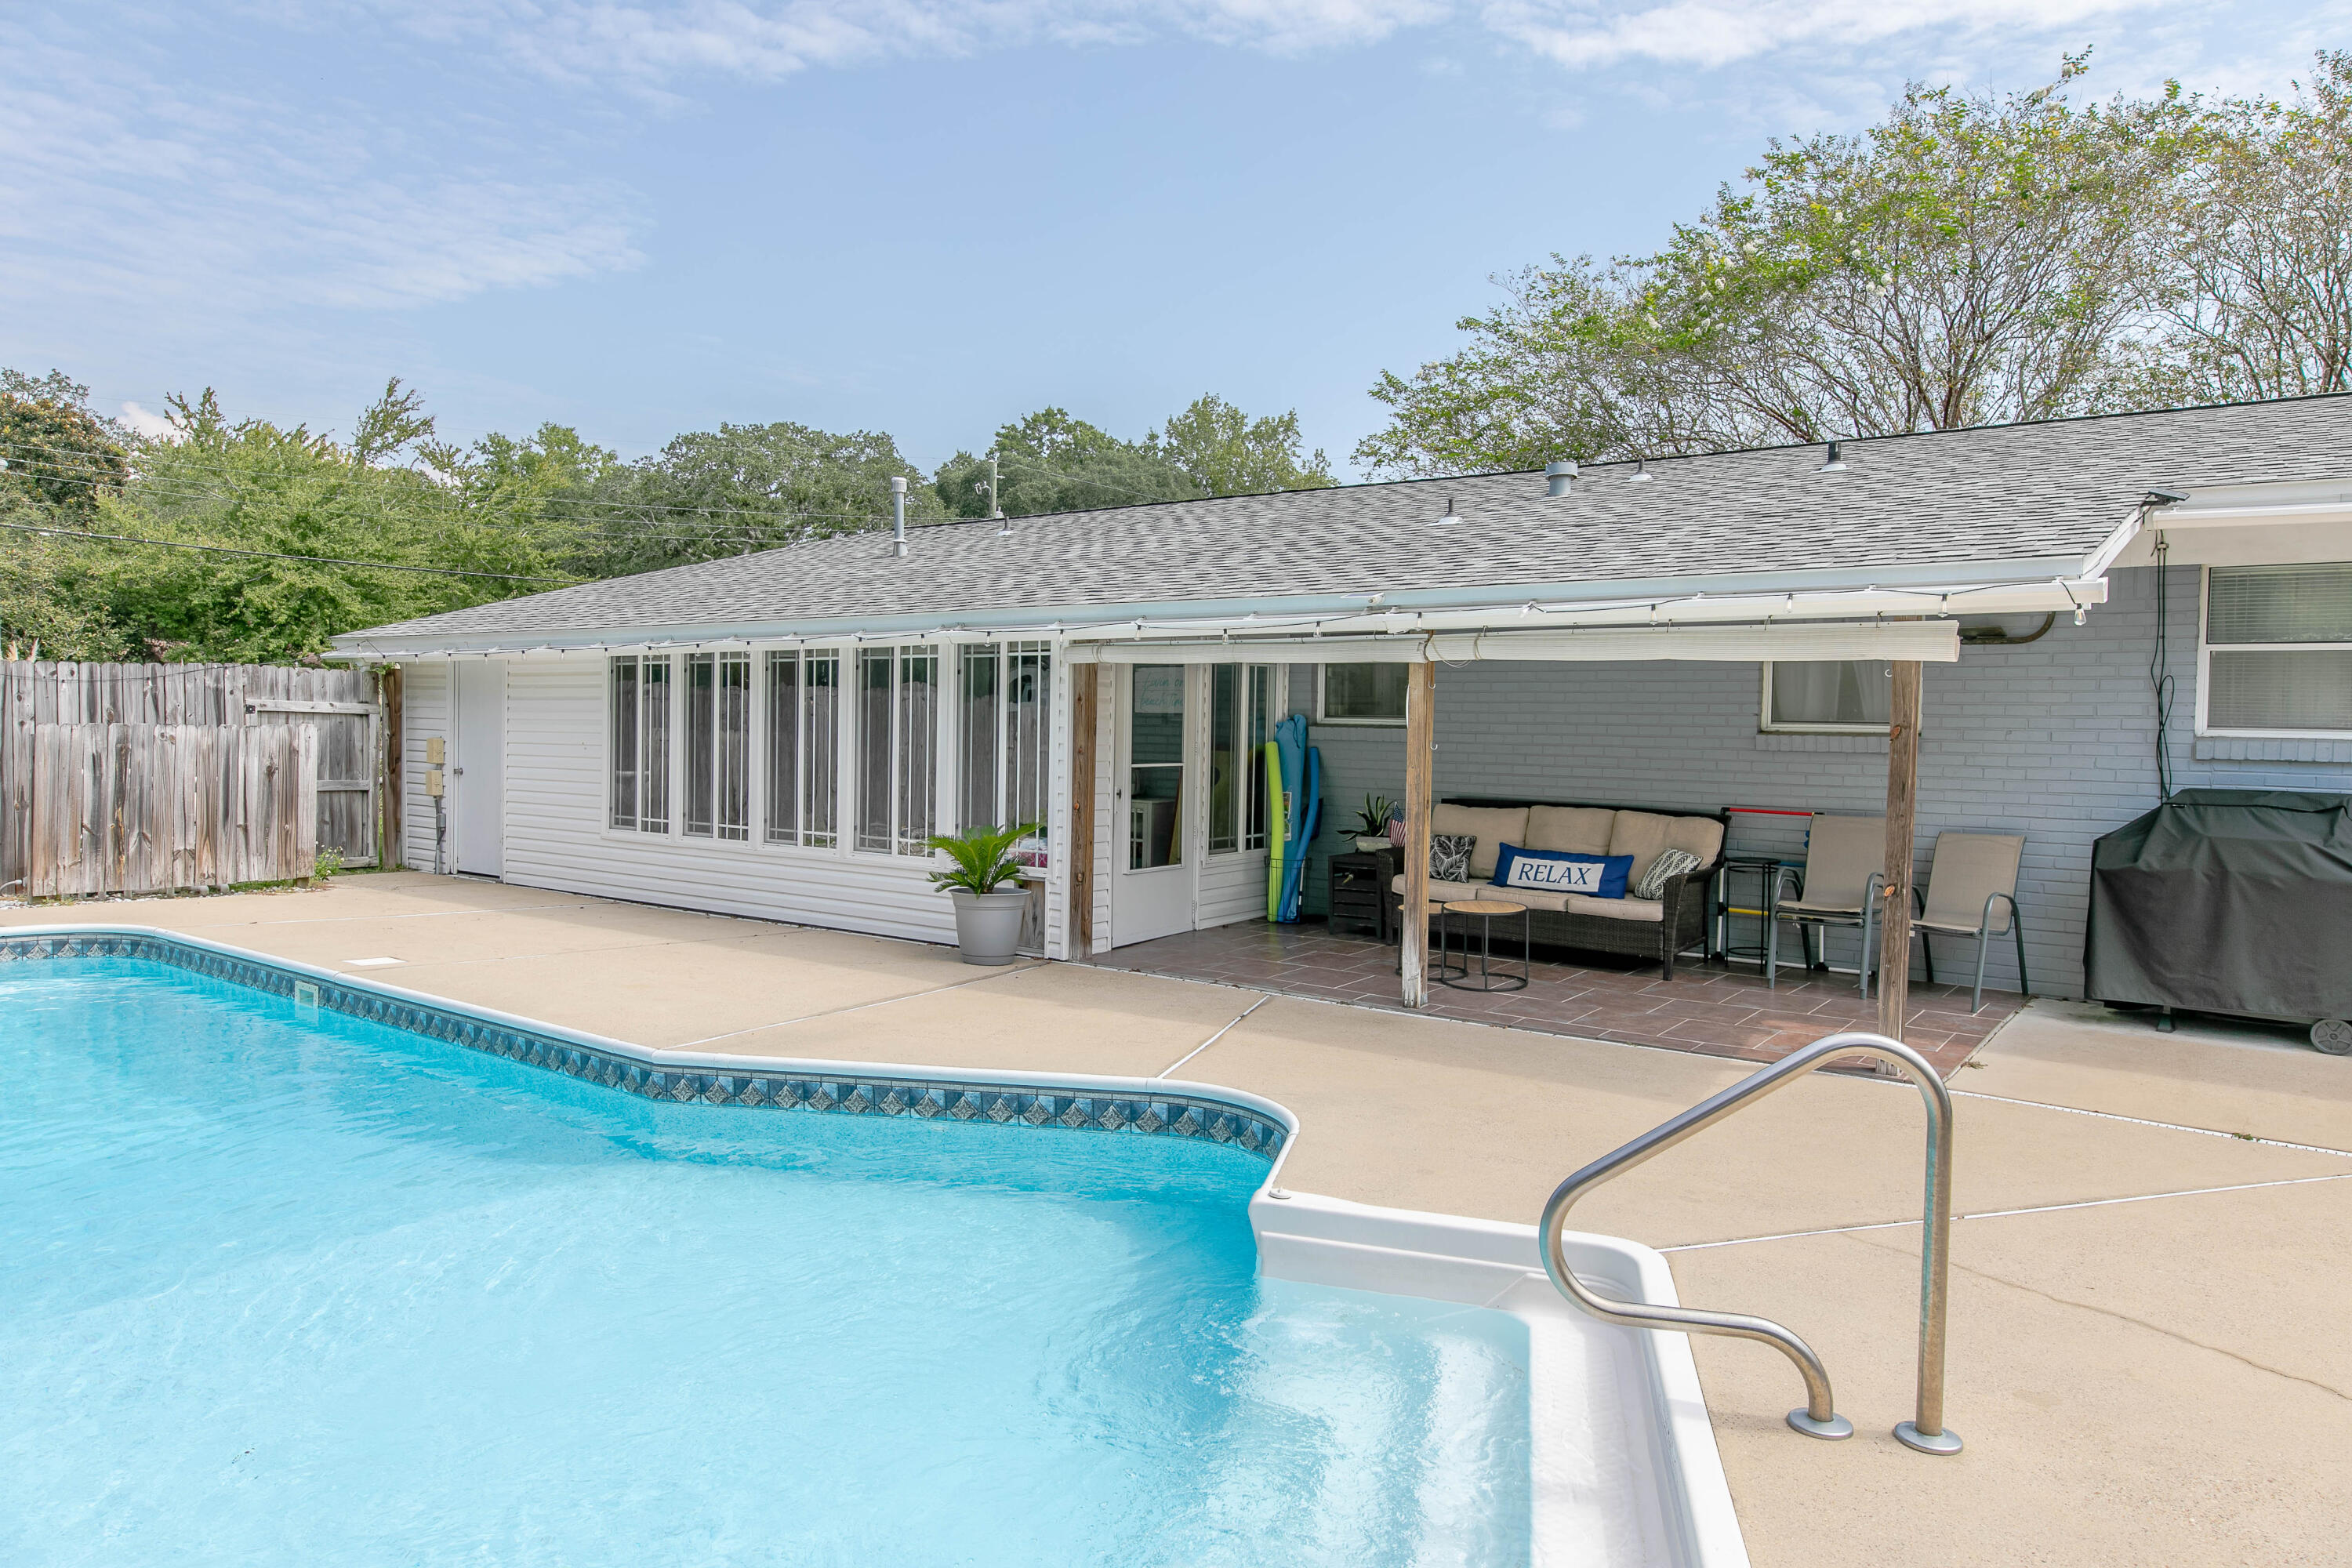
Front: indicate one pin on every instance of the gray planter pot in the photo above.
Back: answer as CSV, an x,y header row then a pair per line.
x,y
988,925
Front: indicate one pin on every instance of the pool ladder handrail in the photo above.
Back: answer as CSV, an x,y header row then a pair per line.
x,y
1818,1418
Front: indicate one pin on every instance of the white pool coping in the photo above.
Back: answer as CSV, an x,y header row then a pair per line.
x,y
1600,1397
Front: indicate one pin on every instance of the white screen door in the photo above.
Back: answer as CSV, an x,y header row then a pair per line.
x,y
477,780
1152,890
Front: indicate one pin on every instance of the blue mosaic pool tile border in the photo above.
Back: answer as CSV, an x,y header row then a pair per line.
x,y
1022,1105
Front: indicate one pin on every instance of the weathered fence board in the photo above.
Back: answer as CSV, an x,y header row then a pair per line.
x,y
140,808
179,800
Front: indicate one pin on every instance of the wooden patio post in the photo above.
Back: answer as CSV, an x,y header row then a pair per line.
x,y
1086,680
1902,815
1420,776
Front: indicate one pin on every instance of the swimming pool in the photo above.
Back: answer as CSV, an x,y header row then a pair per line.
x,y
285,1285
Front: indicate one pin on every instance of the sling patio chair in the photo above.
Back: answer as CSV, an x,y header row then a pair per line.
x,y
1972,891
1845,864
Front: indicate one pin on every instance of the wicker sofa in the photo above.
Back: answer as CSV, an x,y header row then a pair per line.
x,y
1661,928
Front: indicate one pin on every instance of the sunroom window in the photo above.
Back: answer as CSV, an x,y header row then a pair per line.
x,y
897,748
804,748
1003,692
1241,702
639,710
719,746
2278,649
1832,696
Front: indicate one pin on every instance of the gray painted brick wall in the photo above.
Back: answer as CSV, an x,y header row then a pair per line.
x,y
2054,739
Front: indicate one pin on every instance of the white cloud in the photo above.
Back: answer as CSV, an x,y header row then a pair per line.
x,y
650,42
118,183
1711,34
147,422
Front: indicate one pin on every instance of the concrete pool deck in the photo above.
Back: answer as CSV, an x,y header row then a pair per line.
x,y
2148,1357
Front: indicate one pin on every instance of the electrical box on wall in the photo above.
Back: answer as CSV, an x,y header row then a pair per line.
x,y
433,783
434,748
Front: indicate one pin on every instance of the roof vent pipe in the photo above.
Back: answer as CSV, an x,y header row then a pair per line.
x,y
898,514
1558,478
1835,464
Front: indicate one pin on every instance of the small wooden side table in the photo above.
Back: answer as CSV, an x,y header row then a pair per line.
x,y
1486,911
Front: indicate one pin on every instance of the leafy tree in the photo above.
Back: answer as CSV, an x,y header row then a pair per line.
x,y
300,507
57,452
1225,452
2256,248
1968,259
1051,461
742,488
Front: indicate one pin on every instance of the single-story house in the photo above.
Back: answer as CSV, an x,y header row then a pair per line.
x,y
2094,606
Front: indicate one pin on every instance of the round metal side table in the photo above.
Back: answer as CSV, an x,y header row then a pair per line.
x,y
1486,911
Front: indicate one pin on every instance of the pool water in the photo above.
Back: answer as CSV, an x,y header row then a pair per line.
x,y
290,1290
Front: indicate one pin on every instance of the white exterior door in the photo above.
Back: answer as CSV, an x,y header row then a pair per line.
x,y
477,780
1152,806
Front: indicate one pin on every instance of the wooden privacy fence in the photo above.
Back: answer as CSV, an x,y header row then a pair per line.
x,y
139,808
152,777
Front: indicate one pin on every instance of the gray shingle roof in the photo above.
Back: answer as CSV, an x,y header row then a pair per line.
x,y
2047,491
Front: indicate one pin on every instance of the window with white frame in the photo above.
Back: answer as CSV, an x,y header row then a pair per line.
x,y
718,747
804,747
1361,693
1831,696
897,748
2277,650
1003,694
638,778
1241,722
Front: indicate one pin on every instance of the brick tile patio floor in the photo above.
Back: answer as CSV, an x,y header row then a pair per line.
x,y
1711,1009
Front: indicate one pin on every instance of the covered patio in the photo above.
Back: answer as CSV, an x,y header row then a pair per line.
x,y
1712,1008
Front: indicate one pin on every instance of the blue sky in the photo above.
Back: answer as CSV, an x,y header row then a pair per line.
x,y
926,217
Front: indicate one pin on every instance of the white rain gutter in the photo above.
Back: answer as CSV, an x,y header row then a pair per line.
x,y
1364,614
1929,642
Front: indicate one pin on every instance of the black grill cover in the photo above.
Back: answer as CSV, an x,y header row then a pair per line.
x,y
2226,900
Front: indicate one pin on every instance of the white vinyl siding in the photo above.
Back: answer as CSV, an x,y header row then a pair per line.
x,y
424,714
556,836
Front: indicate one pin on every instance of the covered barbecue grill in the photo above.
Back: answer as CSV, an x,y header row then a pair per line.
x,y
2227,900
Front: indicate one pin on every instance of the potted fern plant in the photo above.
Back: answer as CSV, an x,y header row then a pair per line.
x,y
988,913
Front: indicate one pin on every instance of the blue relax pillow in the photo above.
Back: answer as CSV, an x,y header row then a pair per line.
x,y
1559,871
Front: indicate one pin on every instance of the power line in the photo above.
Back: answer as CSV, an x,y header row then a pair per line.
x,y
715,511
612,528
591,532
54,532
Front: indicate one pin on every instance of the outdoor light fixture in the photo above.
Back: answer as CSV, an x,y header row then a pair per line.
x,y
1836,465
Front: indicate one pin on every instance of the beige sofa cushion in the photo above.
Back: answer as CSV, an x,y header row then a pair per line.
x,y
1575,830
1539,898
1643,834
1447,893
1494,826
1649,909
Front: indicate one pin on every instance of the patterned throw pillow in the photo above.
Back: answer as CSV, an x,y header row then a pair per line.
x,y
1449,856
1670,864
